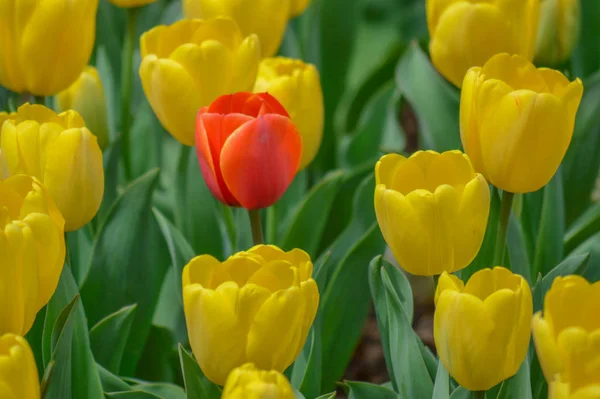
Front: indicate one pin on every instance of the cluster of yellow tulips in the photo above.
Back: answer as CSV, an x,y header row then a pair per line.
x,y
256,120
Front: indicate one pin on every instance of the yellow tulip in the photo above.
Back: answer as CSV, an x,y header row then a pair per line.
x,y
482,329
432,210
558,32
257,307
62,153
466,33
567,338
131,3
32,251
248,382
86,96
516,121
45,44
18,372
187,65
265,18
297,87
298,7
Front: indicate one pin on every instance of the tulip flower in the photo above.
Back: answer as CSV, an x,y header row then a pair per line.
x,y
62,153
131,3
297,87
248,382
18,371
516,121
265,18
467,33
481,329
32,251
432,210
187,65
86,96
255,307
45,44
567,338
558,32
248,148
298,7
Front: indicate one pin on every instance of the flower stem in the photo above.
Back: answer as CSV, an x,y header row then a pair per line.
x,y
256,224
272,223
126,83
505,207
478,395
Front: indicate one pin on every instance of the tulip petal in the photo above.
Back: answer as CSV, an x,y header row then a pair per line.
x,y
260,159
200,270
546,348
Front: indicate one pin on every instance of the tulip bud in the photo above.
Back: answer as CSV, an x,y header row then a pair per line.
x,y
256,307
32,251
481,329
567,338
131,3
265,18
187,65
248,148
62,153
432,210
516,121
247,382
558,31
45,44
467,33
86,96
297,87
18,372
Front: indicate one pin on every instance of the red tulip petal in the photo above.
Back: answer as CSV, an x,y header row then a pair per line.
x,y
260,160
212,130
262,104
230,103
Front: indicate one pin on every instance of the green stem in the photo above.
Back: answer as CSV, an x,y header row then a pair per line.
x,y
272,224
505,207
256,224
229,224
126,84
67,252
41,100
478,395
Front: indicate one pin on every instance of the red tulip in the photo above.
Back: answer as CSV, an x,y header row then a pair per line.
x,y
248,148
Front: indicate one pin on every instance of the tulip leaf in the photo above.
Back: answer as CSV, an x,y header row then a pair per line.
x,y
129,259
306,373
79,245
111,382
196,383
518,386
549,244
180,250
583,228
66,342
111,158
359,188
308,220
590,247
409,372
279,214
345,305
147,154
133,395
163,390
586,56
298,394
195,203
581,163
109,337
159,360
435,101
517,249
327,396
574,264
441,388
461,393
364,390
485,257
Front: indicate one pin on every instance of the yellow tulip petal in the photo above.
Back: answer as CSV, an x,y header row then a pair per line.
x,y
546,347
385,169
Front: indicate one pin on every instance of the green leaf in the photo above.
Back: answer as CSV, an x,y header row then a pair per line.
x,y
549,244
409,371
435,101
111,161
129,260
159,361
461,393
163,390
308,220
586,56
364,390
66,342
298,394
485,256
147,154
195,203
441,388
345,305
306,373
518,386
109,337
133,395
590,247
517,249
327,396
574,264
196,383
111,382
79,245
583,228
